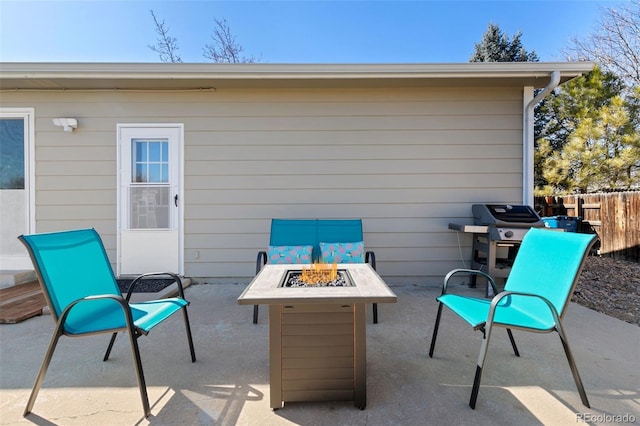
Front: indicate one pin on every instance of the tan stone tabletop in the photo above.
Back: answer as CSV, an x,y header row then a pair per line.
x,y
368,288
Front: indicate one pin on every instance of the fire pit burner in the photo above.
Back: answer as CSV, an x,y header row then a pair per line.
x,y
293,279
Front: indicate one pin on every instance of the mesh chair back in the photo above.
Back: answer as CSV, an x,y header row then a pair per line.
x,y
71,265
548,264
300,232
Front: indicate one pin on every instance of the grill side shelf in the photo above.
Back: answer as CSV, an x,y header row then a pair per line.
x,y
475,229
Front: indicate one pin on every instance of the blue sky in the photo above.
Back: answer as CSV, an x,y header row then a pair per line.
x,y
294,31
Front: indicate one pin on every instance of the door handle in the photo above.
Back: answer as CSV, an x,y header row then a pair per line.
x,y
175,200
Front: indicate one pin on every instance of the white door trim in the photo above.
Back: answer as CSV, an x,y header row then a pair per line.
x,y
120,220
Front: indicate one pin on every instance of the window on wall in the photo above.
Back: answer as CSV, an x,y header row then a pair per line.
x,y
12,148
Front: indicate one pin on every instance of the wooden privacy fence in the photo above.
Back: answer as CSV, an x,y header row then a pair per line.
x,y
614,216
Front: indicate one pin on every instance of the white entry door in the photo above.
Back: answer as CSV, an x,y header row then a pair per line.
x,y
16,185
150,198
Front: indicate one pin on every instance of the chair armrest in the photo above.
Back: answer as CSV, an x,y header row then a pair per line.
x,y
497,298
139,278
471,272
123,304
261,260
370,258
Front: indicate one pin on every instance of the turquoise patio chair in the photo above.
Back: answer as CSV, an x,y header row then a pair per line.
x,y
535,297
84,298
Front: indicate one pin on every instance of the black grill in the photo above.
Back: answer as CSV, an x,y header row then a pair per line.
x,y
505,215
497,233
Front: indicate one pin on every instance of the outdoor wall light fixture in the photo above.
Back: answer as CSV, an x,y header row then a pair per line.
x,y
68,124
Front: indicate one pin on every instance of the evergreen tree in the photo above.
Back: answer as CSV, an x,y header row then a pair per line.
x,y
559,113
591,141
496,47
587,135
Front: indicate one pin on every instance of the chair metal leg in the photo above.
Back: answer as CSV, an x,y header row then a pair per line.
x,y
481,358
370,258
43,369
513,342
573,366
435,330
189,338
255,314
135,352
476,387
113,339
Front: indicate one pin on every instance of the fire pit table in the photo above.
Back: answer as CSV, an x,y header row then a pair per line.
x,y
317,333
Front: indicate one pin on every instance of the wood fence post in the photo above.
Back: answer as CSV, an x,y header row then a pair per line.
x,y
578,207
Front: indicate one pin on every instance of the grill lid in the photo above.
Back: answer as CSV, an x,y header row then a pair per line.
x,y
505,215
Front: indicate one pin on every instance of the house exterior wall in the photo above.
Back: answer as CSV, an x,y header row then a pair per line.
x,y
406,160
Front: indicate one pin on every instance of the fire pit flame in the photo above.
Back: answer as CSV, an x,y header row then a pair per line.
x,y
319,273
293,278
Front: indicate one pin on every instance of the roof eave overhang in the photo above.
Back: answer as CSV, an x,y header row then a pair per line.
x,y
148,76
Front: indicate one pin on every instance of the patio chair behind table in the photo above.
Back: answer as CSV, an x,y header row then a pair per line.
x,y
84,298
302,241
540,285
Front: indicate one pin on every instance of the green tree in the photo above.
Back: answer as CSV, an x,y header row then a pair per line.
x,y
586,131
591,142
559,114
496,47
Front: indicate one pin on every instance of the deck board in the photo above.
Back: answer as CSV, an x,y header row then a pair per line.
x,y
20,302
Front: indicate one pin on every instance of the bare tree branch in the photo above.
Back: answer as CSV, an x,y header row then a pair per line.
x,y
616,43
166,46
224,49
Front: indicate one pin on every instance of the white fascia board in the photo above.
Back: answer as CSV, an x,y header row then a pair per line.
x,y
187,71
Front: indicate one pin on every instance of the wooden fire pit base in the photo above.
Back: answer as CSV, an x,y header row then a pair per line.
x,y
317,335
317,353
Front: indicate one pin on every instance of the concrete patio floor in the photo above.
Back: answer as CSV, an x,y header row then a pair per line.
x,y
229,383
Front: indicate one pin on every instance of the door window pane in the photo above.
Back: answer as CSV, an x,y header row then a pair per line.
x,y
12,153
149,207
140,148
154,151
165,152
150,161
155,173
140,173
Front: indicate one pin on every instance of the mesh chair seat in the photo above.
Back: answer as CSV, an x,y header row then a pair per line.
x,y
516,312
87,318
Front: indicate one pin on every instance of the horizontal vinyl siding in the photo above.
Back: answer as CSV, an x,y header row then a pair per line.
x,y
406,161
